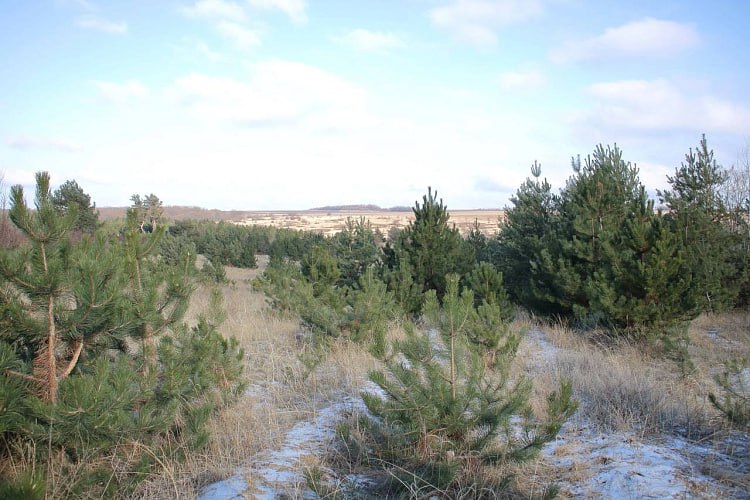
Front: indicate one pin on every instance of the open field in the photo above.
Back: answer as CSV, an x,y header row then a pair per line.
x,y
324,221
331,222
641,429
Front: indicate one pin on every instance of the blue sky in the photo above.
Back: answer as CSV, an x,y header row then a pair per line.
x,y
290,104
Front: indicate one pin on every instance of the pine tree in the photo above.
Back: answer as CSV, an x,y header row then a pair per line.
x,y
58,299
356,248
715,256
72,384
735,400
159,292
148,211
372,306
479,242
432,247
70,193
594,207
643,284
529,247
445,407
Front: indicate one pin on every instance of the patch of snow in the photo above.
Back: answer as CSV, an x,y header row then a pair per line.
x,y
228,489
622,465
594,464
590,463
281,470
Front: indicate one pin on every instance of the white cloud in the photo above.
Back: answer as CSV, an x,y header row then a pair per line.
x,y
662,105
278,93
27,143
84,5
121,92
295,9
240,35
476,21
644,38
522,80
191,46
370,41
215,9
230,21
104,25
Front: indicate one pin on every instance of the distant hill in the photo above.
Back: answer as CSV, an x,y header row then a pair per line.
x,y
347,208
359,208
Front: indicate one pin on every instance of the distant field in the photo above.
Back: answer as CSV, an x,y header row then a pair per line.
x,y
323,221
333,221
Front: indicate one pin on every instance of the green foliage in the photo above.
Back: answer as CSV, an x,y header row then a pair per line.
x,y
356,248
594,207
16,412
175,249
321,269
55,292
372,307
479,242
279,283
71,196
399,278
643,283
97,366
734,403
445,409
715,255
432,247
159,293
26,487
598,253
486,282
148,211
213,271
325,308
528,245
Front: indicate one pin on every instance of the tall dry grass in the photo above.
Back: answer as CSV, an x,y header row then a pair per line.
x,y
281,389
621,386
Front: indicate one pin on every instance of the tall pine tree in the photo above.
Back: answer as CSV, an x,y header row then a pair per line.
x,y
433,248
714,255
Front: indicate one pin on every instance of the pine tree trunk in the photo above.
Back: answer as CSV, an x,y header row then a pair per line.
x,y
51,365
48,366
453,366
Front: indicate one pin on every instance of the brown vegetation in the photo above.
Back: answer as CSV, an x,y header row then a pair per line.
x,y
323,221
621,387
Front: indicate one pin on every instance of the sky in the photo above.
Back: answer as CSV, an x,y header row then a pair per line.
x,y
293,104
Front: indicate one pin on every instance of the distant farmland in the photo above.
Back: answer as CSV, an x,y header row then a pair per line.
x,y
328,220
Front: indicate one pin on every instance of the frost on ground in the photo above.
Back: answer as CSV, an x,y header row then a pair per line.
x,y
620,465
591,463
588,462
273,474
280,473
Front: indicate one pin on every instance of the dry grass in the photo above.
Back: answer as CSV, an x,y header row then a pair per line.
x,y
280,393
630,387
331,222
716,338
620,386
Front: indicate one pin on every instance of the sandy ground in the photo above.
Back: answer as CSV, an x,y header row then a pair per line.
x,y
332,222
